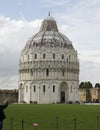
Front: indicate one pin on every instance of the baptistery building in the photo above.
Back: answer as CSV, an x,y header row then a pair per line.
x,y
48,67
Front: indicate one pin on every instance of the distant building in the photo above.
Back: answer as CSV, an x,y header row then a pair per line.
x,y
89,95
10,95
48,67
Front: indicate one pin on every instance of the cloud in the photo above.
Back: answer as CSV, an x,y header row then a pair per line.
x,y
53,3
89,70
97,17
13,36
90,56
19,3
90,65
80,24
88,3
83,28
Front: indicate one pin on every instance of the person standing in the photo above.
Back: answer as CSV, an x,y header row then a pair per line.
x,y
2,114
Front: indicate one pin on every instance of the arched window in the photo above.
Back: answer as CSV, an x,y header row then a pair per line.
x,y
63,72
47,72
44,56
53,55
31,72
62,56
35,56
53,88
69,56
44,88
34,88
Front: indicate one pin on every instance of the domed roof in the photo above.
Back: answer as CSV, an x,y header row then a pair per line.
x,y
48,36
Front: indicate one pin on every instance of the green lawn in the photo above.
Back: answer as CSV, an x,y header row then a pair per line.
x,y
52,117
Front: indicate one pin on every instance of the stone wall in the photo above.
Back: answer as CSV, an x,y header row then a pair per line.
x,y
94,95
10,95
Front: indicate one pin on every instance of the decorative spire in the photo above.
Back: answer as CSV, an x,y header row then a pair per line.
x,y
49,24
49,13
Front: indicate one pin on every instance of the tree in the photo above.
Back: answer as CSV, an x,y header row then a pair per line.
x,y
81,85
85,85
97,85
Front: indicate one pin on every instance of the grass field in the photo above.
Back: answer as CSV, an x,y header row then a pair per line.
x,y
52,117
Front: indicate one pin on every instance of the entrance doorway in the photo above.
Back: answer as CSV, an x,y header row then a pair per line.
x,y
63,92
62,96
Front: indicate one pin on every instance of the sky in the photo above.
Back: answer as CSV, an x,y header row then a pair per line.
x,y
79,20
